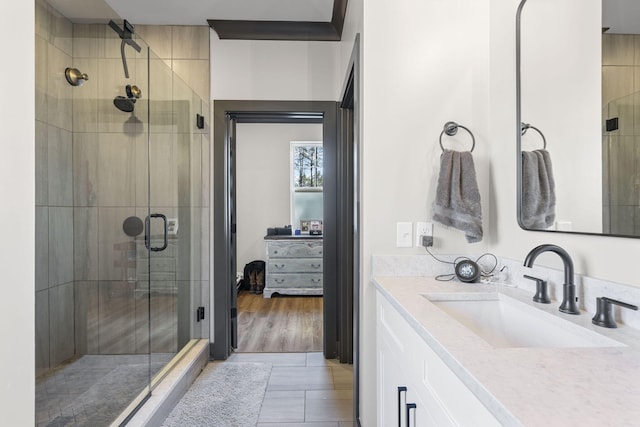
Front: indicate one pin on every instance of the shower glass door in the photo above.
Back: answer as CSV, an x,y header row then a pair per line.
x,y
121,220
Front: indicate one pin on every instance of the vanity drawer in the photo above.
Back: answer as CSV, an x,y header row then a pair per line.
x,y
293,280
288,249
295,265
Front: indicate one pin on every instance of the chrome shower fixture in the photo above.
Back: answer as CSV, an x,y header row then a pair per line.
x,y
75,77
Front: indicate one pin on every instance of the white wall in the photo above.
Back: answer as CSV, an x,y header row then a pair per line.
x,y
426,65
274,70
17,192
263,183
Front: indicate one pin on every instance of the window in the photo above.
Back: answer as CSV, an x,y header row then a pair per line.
x,y
306,183
306,162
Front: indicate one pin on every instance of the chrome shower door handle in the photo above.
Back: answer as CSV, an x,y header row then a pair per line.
x,y
147,234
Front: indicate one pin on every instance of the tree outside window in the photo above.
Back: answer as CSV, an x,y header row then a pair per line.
x,y
307,166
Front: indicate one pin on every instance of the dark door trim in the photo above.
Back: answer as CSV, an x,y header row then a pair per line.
x,y
350,113
283,30
226,114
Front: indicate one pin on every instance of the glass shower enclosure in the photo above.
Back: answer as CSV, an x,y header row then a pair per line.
x,y
121,220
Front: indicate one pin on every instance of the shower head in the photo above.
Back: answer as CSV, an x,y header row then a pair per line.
x,y
124,104
127,104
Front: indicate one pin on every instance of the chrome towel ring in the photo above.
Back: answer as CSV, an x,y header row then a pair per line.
x,y
525,126
451,128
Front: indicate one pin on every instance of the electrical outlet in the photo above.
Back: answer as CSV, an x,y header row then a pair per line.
x,y
423,229
404,231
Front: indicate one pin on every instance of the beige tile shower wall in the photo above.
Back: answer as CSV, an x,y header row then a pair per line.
x,y
54,190
621,78
620,66
185,49
110,183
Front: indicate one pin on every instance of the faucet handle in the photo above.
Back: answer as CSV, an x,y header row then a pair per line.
x,y
604,314
542,294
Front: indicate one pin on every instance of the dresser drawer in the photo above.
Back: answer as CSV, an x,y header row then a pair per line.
x,y
289,249
295,265
293,280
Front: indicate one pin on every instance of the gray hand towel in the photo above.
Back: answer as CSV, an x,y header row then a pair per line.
x,y
457,201
538,190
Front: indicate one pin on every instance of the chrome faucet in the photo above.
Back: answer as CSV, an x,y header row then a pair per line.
x,y
569,299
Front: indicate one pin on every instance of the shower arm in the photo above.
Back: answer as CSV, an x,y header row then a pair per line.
x,y
125,34
124,57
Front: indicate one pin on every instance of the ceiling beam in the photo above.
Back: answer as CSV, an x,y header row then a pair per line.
x,y
283,30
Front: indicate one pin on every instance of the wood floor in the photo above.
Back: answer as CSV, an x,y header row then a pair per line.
x,y
282,324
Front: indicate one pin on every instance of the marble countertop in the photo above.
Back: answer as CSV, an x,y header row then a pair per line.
x,y
527,386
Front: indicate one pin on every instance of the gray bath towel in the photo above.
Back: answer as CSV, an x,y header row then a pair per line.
x,y
538,190
457,201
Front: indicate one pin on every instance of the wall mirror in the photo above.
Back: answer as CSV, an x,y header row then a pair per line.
x,y
578,100
306,184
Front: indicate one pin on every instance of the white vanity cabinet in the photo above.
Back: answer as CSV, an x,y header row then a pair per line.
x,y
294,266
405,360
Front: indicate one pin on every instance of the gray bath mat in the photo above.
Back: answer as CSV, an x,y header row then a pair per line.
x,y
225,394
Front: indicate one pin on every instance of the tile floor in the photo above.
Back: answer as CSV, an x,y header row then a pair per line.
x,y
304,389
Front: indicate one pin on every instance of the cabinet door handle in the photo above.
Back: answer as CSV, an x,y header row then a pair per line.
x,y
401,390
410,406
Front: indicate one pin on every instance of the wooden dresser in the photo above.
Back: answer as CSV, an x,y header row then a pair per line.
x,y
294,265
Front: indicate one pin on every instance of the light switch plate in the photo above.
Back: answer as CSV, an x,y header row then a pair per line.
x,y
404,231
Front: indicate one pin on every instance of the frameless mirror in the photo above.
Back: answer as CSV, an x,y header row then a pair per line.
x,y
578,94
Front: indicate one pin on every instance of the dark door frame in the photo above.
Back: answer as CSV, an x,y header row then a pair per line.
x,y
226,115
350,203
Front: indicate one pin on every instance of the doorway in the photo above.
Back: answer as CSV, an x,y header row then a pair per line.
x,y
227,115
278,176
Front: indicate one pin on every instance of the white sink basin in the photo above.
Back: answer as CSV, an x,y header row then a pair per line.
x,y
503,322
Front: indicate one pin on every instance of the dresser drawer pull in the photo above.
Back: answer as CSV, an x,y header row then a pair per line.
x,y
316,280
316,265
279,280
278,265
